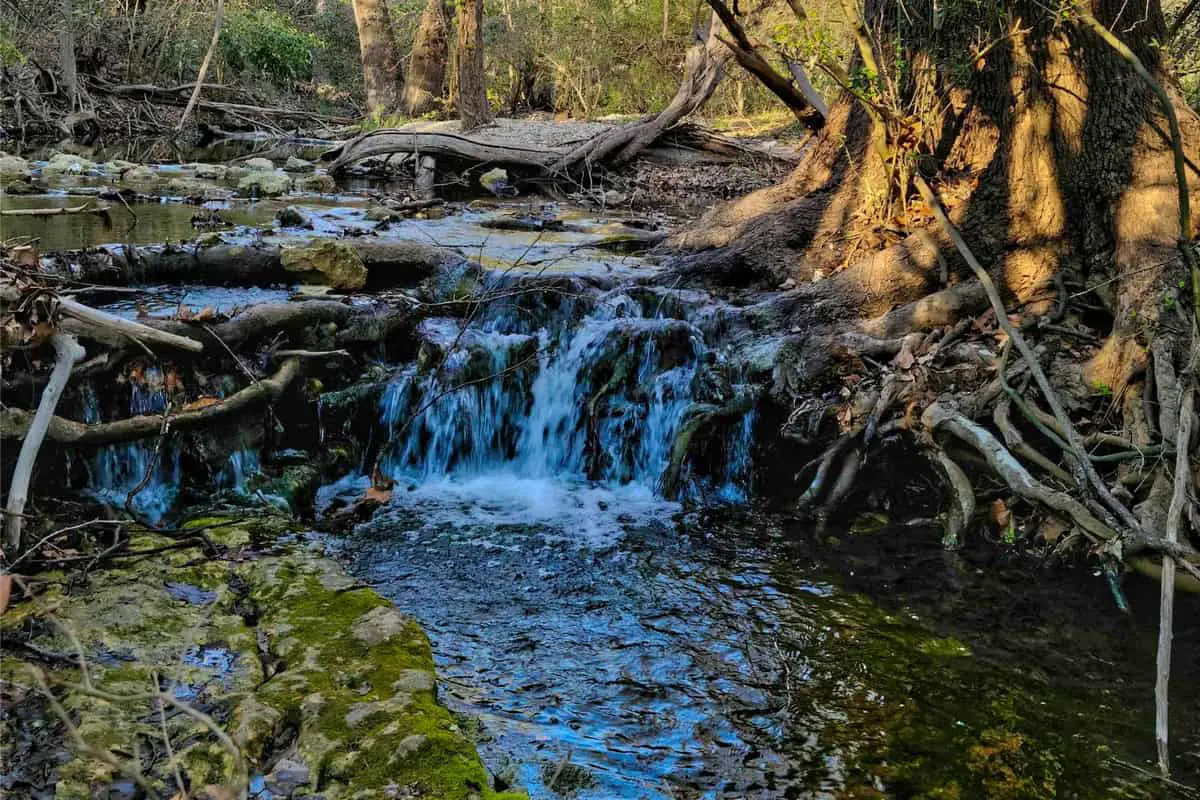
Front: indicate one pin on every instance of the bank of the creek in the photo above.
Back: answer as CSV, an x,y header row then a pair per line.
x,y
592,637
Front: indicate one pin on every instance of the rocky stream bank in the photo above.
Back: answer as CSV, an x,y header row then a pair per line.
x,y
246,662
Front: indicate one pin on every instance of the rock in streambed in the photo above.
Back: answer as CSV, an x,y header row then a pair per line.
x,y
317,684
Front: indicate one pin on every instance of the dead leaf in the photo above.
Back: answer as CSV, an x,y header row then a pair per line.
x,y
202,402
1001,514
206,314
380,496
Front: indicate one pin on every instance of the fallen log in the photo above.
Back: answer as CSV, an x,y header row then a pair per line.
x,y
476,147
258,322
388,264
85,208
16,423
108,328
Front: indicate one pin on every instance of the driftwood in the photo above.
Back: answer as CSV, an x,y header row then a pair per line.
x,y
388,263
85,208
258,322
475,147
16,423
111,329
68,353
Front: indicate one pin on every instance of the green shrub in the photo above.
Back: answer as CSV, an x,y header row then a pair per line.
x,y
264,42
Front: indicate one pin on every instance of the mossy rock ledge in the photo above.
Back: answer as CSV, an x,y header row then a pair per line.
x,y
325,687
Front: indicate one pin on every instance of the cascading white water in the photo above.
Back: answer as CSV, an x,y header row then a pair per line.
x,y
587,400
116,470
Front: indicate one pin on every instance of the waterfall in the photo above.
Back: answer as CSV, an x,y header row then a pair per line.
x,y
589,392
115,470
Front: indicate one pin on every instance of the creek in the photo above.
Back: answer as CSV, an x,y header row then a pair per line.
x,y
603,641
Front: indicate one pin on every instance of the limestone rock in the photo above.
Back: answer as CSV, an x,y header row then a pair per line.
x,y
18,186
210,172
287,777
413,681
379,625
117,167
236,173
294,164
380,214
193,187
264,184
321,183
328,262
14,167
259,164
68,164
140,174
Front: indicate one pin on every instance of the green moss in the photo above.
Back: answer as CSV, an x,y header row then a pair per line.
x,y
345,672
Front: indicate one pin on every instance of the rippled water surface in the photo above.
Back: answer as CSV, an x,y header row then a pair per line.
x,y
728,656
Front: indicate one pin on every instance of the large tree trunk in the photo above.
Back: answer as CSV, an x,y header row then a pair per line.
x,y
426,85
382,73
472,81
66,53
1054,160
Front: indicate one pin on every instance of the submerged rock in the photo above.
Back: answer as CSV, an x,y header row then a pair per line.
x,y
14,167
311,675
291,217
327,262
322,183
264,184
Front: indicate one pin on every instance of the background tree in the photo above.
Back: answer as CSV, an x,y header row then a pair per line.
x,y
473,107
381,65
426,82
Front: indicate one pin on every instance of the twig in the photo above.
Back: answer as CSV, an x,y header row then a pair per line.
x,y
212,47
1167,586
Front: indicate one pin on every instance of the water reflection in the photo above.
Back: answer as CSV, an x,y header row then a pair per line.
x,y
713,659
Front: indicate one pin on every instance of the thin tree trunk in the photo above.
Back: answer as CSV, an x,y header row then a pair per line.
x,y
666,28
382,74
68,353
426,83
472,82
66,54
212,48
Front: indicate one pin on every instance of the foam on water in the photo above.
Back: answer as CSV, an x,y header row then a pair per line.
x,y
554,418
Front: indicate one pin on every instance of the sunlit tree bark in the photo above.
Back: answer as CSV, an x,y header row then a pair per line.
x,y
472,82
382,73
427,70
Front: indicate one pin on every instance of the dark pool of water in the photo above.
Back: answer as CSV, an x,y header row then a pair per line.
x,y
737,655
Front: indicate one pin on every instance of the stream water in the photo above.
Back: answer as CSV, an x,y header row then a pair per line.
x,y
603,642
580,619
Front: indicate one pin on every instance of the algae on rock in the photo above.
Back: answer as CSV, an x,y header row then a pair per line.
x,y
294,658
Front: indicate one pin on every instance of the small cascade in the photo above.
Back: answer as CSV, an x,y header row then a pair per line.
x,y
241,465
589,390
116,470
